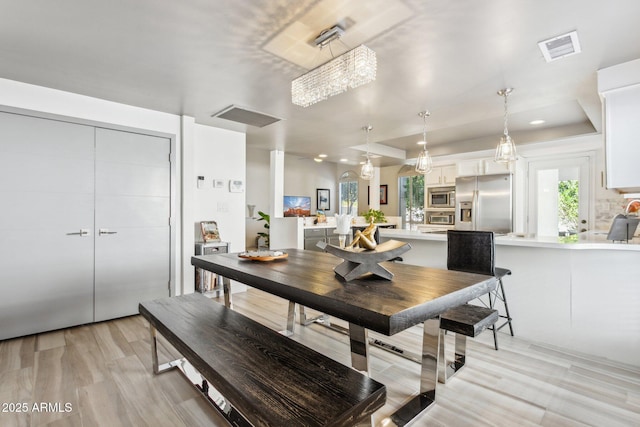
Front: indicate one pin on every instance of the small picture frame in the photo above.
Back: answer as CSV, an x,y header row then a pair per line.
x,y
210,231
383,194
218,183
236,186
323,199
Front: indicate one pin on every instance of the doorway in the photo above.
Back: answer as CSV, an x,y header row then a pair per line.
x,y
559,195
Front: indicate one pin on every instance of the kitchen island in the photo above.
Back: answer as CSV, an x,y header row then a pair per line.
x,y
579,293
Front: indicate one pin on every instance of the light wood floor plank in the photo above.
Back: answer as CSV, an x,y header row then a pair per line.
x,y
54,383
17,353
49,340
102,405
141,393
111,341
104,370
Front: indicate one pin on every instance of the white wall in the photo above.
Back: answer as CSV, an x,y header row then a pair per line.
x,y
258,166
220,154
215,154
301,178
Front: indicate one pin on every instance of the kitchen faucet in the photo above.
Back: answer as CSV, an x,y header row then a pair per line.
x,y
632,206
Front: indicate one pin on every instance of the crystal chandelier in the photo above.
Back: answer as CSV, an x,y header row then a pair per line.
x,y
367,168
506,150
424,164
347,71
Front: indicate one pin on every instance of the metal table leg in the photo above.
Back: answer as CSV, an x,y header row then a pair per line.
x,y
291,318
226,290
359,348
428,376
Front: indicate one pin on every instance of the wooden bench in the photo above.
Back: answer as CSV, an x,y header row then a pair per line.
x,y
262,378
466,321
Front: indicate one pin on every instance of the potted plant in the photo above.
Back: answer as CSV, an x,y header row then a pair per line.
x,y
376,215
265,235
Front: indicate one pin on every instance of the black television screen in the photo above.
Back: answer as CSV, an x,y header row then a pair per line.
x,y
297,206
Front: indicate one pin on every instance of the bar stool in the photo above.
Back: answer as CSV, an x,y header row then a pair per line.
x,y
474,252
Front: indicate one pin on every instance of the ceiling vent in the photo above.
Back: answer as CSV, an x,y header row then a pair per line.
x,y
246,116
560,46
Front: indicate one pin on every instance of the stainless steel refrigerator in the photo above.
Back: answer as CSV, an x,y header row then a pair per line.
x,y
485,203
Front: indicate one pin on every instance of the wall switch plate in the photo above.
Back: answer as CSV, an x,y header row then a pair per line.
x,y
223,207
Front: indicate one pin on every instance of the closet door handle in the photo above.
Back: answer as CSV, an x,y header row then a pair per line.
x,y
83,232
106,231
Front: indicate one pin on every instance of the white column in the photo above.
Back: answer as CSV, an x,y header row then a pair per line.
x,y
276,189
374,190
189,184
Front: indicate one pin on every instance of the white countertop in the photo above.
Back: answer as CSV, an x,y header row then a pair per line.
x,y
588,240
333,225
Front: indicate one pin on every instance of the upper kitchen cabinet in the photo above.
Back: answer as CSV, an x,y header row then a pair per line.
x,y
619,87
474,167
441,175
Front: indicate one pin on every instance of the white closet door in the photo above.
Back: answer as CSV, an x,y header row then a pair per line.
x,y
46,189
132,221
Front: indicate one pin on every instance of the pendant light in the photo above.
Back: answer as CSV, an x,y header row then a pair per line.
x,y
506,150
424,164
367,168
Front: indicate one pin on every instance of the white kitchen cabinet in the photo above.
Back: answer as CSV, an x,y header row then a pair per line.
x,y
622,128
441,175
474,167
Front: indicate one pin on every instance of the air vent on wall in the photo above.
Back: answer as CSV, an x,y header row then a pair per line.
x,y
246,116
560,46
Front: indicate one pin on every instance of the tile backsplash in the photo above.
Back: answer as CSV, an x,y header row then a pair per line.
x,y
606,209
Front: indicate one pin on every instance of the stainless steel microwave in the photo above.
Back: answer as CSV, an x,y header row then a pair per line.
x,y
442,197
441,219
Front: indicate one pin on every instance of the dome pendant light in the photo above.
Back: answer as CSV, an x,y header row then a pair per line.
x,y
367,168
424,164
506,150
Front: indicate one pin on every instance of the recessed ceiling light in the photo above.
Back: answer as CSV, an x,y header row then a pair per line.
x,y
421,142
315,159
344,160
322,156
536,122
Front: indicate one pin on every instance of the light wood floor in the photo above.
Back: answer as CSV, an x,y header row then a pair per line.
x,y
102,372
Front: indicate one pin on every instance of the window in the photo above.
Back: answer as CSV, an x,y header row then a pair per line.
x,y
411,195
348,193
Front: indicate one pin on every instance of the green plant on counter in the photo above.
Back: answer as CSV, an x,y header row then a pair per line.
x,y
267,219
378,216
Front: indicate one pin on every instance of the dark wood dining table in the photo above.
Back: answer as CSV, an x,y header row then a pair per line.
x,y
414,295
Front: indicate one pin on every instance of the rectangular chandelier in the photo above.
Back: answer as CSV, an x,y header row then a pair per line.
x,y
353,68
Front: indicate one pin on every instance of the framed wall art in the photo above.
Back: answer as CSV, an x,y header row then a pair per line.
x,y
383,194
322,199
